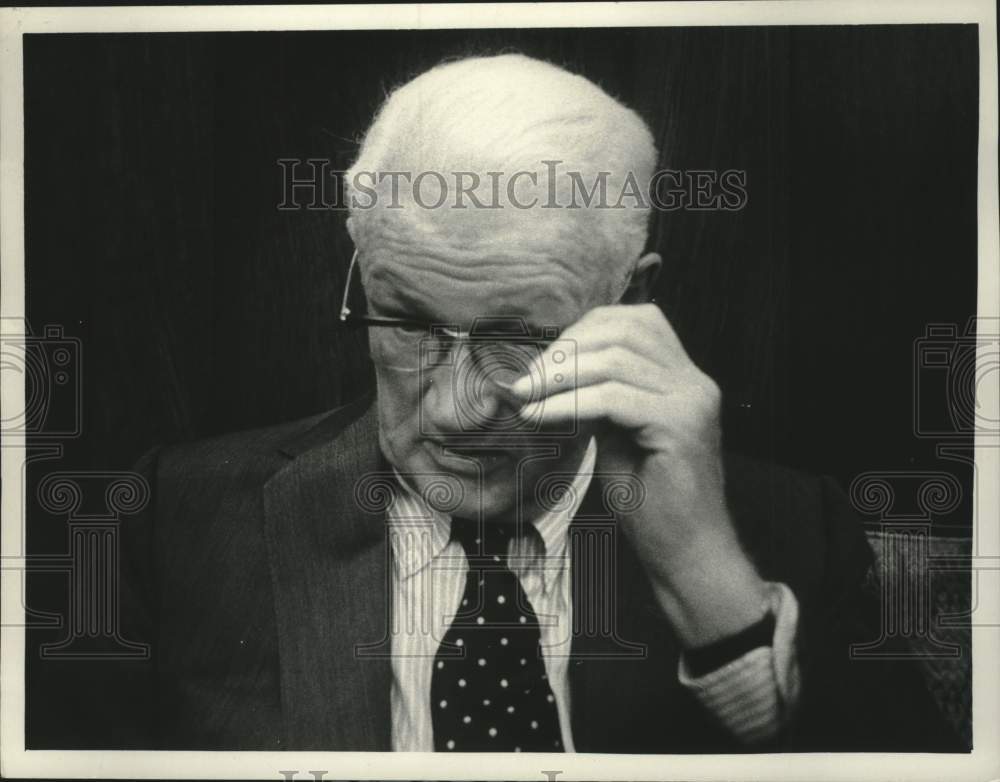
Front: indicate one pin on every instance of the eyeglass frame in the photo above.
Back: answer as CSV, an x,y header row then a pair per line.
x,y
357,321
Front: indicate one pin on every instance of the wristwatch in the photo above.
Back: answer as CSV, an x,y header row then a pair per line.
x,y
704,659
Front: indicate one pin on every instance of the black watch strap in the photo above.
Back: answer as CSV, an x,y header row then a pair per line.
x,y
705,659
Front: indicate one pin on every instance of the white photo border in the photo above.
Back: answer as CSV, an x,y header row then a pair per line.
x,y
983,763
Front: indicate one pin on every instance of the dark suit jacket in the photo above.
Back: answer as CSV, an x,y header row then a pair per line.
x,y
261,584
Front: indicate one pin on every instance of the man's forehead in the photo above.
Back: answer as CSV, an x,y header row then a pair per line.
x,y
429,287
459,267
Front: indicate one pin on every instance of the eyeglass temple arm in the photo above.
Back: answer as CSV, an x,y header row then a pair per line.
x,y
344,309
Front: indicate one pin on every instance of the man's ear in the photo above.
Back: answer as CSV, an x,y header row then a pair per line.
x,y
641,285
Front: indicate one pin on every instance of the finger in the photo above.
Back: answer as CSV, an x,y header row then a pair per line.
x,y
611,364
647,317
572,363
623,405
643,328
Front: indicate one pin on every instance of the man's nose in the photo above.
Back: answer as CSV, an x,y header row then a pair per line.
x,y
469,394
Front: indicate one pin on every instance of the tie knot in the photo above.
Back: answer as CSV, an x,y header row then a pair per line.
x,y
482,538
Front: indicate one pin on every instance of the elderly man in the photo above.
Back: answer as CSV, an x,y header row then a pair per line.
x,y
530,539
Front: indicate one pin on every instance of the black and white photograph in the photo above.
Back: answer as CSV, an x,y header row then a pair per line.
x,y
514,391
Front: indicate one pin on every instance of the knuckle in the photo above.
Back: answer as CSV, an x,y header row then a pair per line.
x,y
608,393
598,314
652,314
618,331
651,310
618,360
711,392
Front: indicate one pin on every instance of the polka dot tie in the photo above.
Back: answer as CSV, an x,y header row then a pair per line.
x,y
489,689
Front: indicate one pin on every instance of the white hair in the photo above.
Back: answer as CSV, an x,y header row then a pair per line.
x,y
510,113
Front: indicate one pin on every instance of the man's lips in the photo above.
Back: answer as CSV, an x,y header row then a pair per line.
x,y
474,450
465,457
471,444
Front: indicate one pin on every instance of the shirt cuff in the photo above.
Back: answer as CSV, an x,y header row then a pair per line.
x,y
754,695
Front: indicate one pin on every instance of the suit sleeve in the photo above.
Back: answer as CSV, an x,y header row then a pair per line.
x,y
754,694
847,702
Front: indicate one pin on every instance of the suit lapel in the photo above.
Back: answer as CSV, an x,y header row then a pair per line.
x,y
329,568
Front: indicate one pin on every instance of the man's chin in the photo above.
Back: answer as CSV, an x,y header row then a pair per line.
x,y
485,499
473,486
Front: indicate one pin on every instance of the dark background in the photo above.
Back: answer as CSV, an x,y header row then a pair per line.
x,y
152,232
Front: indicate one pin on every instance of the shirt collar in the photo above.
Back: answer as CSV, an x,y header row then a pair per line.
x,y
419,533
553,525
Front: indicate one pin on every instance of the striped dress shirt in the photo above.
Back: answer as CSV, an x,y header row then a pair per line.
x,y
752,696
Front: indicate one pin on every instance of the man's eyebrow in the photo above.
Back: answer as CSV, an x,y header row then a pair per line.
x,y
395,311
404,308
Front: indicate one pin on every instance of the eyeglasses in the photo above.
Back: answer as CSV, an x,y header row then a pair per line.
x,y
348,318
409,344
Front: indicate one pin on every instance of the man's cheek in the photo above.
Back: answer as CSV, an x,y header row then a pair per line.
x,y
397,412
398,397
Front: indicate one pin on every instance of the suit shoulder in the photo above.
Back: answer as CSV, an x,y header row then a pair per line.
x,y
251,452
761,486
206,494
